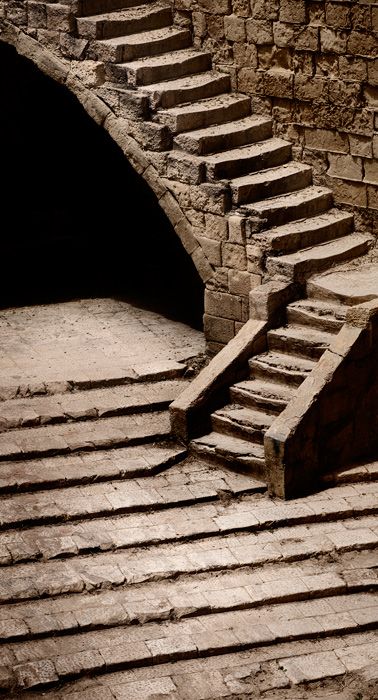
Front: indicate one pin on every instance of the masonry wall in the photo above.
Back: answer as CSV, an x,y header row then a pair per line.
x,y
313,66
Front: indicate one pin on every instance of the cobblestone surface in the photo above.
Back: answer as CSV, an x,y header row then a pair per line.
x,y
138,572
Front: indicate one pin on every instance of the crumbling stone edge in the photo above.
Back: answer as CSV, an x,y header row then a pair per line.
x,y
332,419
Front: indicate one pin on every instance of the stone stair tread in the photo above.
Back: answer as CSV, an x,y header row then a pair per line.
x,y
87,25
226,444
173,92
144,70
93,403
142,37
310,336
205,112
217,135
245,416
62,438
269,390
287,361
320,308
286,200
299,233
324,250
269,174
255,149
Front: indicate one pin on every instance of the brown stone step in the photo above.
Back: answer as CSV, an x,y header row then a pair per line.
x,y
281,367
288,207
120,431
317,314
307,232
127,48
199,115
300,340
269,183
221,137
92,7
239,161
167,66
88,405
125,22
247,454
191,88
241,422
255,393
300,265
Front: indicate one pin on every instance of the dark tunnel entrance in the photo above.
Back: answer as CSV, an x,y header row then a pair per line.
x,y
77,221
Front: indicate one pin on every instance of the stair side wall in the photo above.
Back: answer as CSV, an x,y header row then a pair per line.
x,y
313,67
333,418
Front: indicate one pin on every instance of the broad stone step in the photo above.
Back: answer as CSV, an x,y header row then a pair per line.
x,y
167,66
269,183
239,161
92,7
311,231
247,454
281,367
288,207
303,263
73,437
128,48
300,340
255,393
103,465
346,286
188,89
204,113
224,136
241,422
124,22
62,658
82,405
317,314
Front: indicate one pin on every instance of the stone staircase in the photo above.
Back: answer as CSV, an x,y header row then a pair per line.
x,y
210,136
238,428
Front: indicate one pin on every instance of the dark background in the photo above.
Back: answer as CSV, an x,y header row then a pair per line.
x,y
76,220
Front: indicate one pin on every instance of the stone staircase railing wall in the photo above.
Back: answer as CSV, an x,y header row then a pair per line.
x,y
312,65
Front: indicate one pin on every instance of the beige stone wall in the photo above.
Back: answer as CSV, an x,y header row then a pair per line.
x,y
312,65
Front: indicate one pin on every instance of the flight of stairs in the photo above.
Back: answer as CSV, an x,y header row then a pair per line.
x,y
209,135
238,428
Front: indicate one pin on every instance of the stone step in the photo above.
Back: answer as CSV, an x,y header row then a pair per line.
x,y
300,265
127,48
282,584
92,7
87,467
300,340
247,454
270,183
281,367
89,405
29,443
254,393
60,659
288,207
317,314
241,422
308,232
167,66
239,161
204,113
220,137
348,285
125,22
191,88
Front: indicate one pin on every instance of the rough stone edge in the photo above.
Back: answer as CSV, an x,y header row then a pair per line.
x,y
190,412
290,470
59,70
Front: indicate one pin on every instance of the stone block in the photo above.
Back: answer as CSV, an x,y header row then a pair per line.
x,y
293,11
345,167
218,329
223,305
259,31
371,171
239,282
326,140
234,256
234,28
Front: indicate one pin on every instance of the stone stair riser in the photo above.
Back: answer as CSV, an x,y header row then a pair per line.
x,y
114,27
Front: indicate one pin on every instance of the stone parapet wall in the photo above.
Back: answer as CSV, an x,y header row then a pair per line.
x,y
313,66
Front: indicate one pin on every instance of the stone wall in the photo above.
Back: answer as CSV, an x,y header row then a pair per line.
x,y
313,66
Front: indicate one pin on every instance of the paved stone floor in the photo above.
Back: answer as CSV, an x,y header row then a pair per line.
x,y
130,570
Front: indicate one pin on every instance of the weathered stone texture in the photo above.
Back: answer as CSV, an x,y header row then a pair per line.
x,y
313,66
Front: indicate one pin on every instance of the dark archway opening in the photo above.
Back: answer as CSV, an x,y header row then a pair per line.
x,y
77,221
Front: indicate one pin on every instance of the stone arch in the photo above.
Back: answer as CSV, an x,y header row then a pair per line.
x,y
61,71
